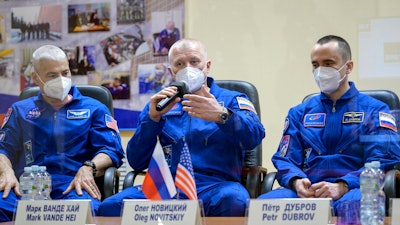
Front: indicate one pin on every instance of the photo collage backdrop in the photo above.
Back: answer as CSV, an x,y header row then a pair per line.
x,y
118,44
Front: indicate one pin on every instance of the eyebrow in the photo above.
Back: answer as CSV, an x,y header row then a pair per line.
x,y
55,73
324,61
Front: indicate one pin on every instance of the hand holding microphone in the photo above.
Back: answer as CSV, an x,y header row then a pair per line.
x,y
182,89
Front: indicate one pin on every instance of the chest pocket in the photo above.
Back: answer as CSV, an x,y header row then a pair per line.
x,y
178,127
202,129
67,138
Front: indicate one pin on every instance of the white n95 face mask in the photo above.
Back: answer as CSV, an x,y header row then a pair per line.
x,y
328,78
193,78
57,88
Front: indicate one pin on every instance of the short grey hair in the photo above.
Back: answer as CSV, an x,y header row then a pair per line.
x,y
49,52
185,44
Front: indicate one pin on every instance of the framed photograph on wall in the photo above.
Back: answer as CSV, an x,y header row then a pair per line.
x,y
36,23
89,17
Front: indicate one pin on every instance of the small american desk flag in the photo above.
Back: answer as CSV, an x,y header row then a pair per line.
x,y
184,179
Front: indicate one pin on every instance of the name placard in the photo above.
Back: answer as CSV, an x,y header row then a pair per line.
x,y
293,211
60,212
176,212
395,210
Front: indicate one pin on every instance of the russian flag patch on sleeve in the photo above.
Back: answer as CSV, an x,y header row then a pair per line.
x,y
245,104
387,120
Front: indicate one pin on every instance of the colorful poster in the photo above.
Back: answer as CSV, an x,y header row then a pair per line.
x,y
120,45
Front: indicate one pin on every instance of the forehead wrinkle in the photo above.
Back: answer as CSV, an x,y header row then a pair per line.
x,y
186,56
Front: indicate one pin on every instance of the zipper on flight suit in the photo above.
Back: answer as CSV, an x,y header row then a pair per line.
x,y
189,131
334,107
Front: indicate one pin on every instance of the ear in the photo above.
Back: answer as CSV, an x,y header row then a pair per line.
x,y
35,78
170,72
208,66
350,66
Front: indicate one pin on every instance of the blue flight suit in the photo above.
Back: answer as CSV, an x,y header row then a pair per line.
x,y
37,134
327,141
217,152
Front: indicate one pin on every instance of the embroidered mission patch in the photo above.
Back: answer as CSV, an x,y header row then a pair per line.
x,y
286,125
353,117
33,114
284,145
74,114
314,120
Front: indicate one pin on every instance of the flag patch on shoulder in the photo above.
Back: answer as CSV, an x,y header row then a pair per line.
x,y
387,120
111,123
7,117
245,104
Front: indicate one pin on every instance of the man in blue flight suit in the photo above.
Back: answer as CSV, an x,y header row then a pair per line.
x,y
323,149
166,38
74,136
218,126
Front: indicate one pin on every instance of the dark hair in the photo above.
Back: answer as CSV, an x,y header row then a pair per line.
x,y
344,47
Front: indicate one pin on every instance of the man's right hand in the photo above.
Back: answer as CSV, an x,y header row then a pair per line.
x,y
302,186
8,181
156,98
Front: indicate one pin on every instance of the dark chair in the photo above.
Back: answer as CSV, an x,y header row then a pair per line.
x,y
392,179
109,183
99,93
252,172
386,96
392,184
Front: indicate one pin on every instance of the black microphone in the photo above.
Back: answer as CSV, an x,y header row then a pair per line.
x,y
182,89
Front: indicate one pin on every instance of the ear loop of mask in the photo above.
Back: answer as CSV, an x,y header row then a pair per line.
x,y
345,75
205,76
40,78
343,66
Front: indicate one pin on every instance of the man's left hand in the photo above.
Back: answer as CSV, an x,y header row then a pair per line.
x,y
84,180
329,190
202,105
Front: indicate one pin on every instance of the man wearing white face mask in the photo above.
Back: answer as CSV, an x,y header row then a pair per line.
x,y
60,129
321,153
214,122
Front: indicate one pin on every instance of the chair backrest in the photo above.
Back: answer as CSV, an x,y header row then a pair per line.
x,y
253,157
386,96
396,114
100,93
